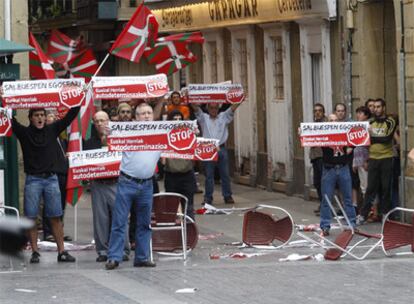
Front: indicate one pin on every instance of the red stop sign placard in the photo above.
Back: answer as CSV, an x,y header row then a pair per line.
x,y
206,152
5,125
181,139
71,96
358,136
157,88
235,95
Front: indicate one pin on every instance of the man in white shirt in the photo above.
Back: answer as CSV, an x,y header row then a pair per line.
x,y
215,125
134,187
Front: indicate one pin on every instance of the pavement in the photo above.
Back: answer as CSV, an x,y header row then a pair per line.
x,y
259,277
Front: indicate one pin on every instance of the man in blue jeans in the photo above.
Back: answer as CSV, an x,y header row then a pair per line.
x,y
215,125
336,172
39,146
134,187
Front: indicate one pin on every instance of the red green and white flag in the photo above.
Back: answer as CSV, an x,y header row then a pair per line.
x,y
169,56
39,64
79,128
61,48
193,37
140,31
84,65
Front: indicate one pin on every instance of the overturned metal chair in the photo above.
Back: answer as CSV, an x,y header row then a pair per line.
x,y
172,230
266,229
397,234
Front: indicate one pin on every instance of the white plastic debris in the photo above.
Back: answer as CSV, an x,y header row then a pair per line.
x,y
186,290
25,290
295,257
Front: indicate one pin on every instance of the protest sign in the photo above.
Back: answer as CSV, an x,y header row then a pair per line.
x,y
215,93
152,135
334,134
206,149
5,123
93,164
130,87
47,93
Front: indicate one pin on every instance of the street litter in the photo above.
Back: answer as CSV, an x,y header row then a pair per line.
x,y
51,246
210,236
210,209
25,290
297,257
236,255
186,290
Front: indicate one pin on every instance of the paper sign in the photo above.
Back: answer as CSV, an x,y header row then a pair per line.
x,y
215,93
93,164
152,135
333,134
130,87
206,149
47,93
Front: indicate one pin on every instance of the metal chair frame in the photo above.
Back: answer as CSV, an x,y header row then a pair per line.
x,y
384,223
263,206
173,225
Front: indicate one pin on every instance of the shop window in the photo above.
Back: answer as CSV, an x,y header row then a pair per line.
x,y
243,65
316,60
278,90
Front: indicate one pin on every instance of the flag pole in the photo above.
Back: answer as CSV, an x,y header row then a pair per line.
x,y
76,223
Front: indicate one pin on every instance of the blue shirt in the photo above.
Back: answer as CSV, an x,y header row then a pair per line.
x,y
215,128
140,164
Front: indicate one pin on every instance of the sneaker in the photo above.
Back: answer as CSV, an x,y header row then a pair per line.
x,y
50,238
67,238
65,257
125,258
325,231
229,200
101,258
360,220
35,258
111,265
144,264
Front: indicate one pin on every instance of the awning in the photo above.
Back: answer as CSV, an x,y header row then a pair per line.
x,y
8,47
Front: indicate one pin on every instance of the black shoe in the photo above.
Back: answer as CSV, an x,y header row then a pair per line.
x,y
101,258
125,258
65,257
144,264
206,201
111,265
198,190
35,258
229,200
325,231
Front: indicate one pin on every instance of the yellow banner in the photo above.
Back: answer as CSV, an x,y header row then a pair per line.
x,y
221,13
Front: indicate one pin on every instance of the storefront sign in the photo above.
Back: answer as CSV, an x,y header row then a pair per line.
x,y
334,134
9,71
130,86
48,93
152,135
221,13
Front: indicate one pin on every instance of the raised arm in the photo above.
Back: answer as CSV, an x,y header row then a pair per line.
x,y
63,123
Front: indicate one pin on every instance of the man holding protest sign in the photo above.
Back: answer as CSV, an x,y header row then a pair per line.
x,y
215,125
103,192
382,129
336,171
134,187
39,146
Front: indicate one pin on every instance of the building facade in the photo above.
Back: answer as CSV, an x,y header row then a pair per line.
x,y
288,55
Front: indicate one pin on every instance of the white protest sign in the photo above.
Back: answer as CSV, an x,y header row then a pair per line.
x,y
215,93
333,134
130,86
47,93
152,135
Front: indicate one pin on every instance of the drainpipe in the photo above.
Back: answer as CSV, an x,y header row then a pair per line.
x,y
7,20
403,111
349,23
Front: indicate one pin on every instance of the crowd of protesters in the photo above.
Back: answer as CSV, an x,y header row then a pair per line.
x,y
366,177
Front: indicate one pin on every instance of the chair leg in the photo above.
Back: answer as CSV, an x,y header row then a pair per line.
x,y
151,254
184,240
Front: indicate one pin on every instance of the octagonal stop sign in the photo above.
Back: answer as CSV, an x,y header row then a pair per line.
x,y
181,139
206,152
71,96
5,125
358,136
